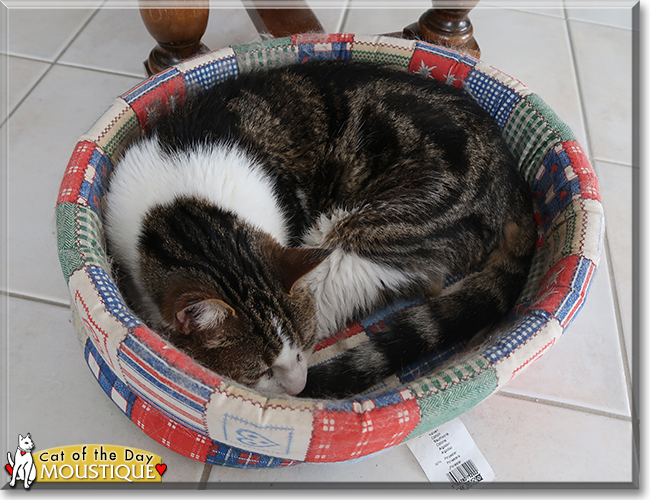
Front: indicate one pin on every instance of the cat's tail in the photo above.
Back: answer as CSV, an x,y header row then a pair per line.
x,y
10,458
471,306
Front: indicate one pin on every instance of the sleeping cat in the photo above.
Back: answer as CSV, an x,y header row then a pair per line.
x,y
263,215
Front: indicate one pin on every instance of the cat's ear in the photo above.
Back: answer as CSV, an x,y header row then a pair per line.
x,y
294,263
202,315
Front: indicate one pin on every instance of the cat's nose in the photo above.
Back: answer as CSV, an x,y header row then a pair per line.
x,y
295,385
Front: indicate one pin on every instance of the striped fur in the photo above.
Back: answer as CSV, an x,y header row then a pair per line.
x,y
263,216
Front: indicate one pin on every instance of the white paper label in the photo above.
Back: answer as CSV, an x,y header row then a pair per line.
x,y
449,454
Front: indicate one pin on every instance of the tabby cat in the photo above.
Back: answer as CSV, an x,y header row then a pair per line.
x,y
263,215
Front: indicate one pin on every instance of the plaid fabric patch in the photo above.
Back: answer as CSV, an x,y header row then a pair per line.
x,y
102,328
205,71
578,230
564,176
156,97
271,53
172,391
319,47
527,327
383,50
494,91
531,131
84,177
112,131
444,379
446,65
450,393
581,167
563,290
170,433
117,390
111,297
175,359
370,427
228,456
79,238
526,353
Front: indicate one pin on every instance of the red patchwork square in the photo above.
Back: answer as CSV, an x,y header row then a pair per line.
x,y
168,432
441,64
589,188
346,435
75,172
555,284
157,96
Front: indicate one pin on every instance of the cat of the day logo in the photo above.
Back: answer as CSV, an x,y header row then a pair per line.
x,y
82,463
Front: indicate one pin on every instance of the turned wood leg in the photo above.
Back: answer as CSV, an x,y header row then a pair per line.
x,y
448,27
178,32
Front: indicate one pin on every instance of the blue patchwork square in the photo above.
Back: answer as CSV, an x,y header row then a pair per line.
x,y
496,98
207,75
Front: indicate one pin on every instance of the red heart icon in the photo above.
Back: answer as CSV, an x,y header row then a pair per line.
x,y
161,468
10,469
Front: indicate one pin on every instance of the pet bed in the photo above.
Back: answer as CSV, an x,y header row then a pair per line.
x,y
203,415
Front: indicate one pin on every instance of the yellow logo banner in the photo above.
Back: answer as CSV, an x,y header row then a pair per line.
x,y
98,463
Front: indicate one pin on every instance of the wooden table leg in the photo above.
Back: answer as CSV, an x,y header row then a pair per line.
x,y
448,27
293,18
178,32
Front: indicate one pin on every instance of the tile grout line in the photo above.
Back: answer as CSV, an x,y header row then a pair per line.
x,y
614,162
32,298
566,406
51,64
99,70
205,476
72,65
607,249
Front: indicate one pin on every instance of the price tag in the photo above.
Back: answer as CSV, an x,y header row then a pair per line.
x,y
449,454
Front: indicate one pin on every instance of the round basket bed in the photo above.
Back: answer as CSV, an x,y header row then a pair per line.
x,y
207,417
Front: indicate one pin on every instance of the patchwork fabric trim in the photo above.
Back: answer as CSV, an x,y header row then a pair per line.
x,y
114,129
207,417
276,52
495,91
383,50
203,72
319,47
449,66
155,97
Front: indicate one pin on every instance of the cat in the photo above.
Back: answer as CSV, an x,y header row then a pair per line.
x,y
22,467
259,218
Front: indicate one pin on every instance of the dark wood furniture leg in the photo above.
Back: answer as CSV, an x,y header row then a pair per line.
x,y
279,22
178,32
448,27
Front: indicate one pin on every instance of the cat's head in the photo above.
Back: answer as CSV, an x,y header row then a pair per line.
x,y
25,443
260,335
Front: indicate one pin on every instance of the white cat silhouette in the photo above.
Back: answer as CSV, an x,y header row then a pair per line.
x,y
23,463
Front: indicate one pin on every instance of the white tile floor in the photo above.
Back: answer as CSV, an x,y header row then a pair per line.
x,y
568,418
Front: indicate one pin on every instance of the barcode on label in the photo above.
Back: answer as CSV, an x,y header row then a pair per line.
x,y
465,473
